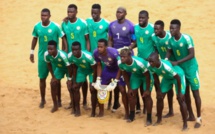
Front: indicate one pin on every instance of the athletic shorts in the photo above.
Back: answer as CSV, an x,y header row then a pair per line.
x,y
166,84
192,78
108,75
137,80
60,72
43,70
82,75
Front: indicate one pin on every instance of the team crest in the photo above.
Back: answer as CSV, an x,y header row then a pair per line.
x,y
78,27
109,59
100,27
83,61
146,32
123,28
59,60
181,44
134,69
166,42
49,30
163,72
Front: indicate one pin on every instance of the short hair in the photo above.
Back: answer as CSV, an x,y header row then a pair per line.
x,y
96,6
126,51
176,21
52,43
154,55
76,43
46,10
144,12
73,6
104,41
159,22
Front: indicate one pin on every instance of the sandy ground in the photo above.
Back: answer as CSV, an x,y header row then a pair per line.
x,y
19,84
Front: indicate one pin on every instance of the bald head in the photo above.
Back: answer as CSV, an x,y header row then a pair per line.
x,y
154,60
122,9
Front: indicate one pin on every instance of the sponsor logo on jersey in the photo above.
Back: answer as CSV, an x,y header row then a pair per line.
x,y
109,59
124,28
146,32
181,44
49,30
78,27
100,27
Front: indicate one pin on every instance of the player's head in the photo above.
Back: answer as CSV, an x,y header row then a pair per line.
x,y
96,11
102,45
143,17
154,60
72,10
158,27
52,48
45,15
125,55
175,26
121,13
76,49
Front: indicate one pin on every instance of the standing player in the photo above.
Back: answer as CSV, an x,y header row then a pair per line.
x,y
143,31
59,59
111,71
139,75
182,46
171,75
97,27
45,31
76,30
121,33
161,41
83,66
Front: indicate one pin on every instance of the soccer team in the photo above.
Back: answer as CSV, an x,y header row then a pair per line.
x,y
104,52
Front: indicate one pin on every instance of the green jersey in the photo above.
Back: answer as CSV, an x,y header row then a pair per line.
x,y
97,30
144,41
45,34
138,66
161,44
60,60
75,32
85,62
181,48
165,70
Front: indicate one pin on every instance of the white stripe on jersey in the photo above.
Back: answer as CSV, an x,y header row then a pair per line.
x,y
89,57
45,54
188,39
169,69
140,64
69,54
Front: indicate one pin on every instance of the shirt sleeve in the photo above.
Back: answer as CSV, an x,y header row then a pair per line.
x,y
189,40
34,32
85,27
60,31
46,58
70,59
109,30
95,55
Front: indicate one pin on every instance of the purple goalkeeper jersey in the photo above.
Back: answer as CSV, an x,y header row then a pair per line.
x,y
122,34
110,60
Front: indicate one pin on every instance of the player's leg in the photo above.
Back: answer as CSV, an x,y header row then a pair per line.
x,y
132,103
54,88
191,116
138,104
109,101
124,100
42,73
77,99
84,92
116,103
143,99
59,95
94,100
170,95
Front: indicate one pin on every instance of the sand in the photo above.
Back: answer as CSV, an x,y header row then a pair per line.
x,y
19,84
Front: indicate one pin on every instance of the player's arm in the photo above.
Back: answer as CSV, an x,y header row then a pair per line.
x,y
133,45
33,45
188,57
110,41
64,44
180,97
99,69
50,69
94,67
169,53
126,78
148,80
87,41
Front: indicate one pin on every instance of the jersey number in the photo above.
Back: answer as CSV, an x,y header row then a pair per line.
x,y
117,35
72,36
141,39
163,49
45,38
178,52
94,33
